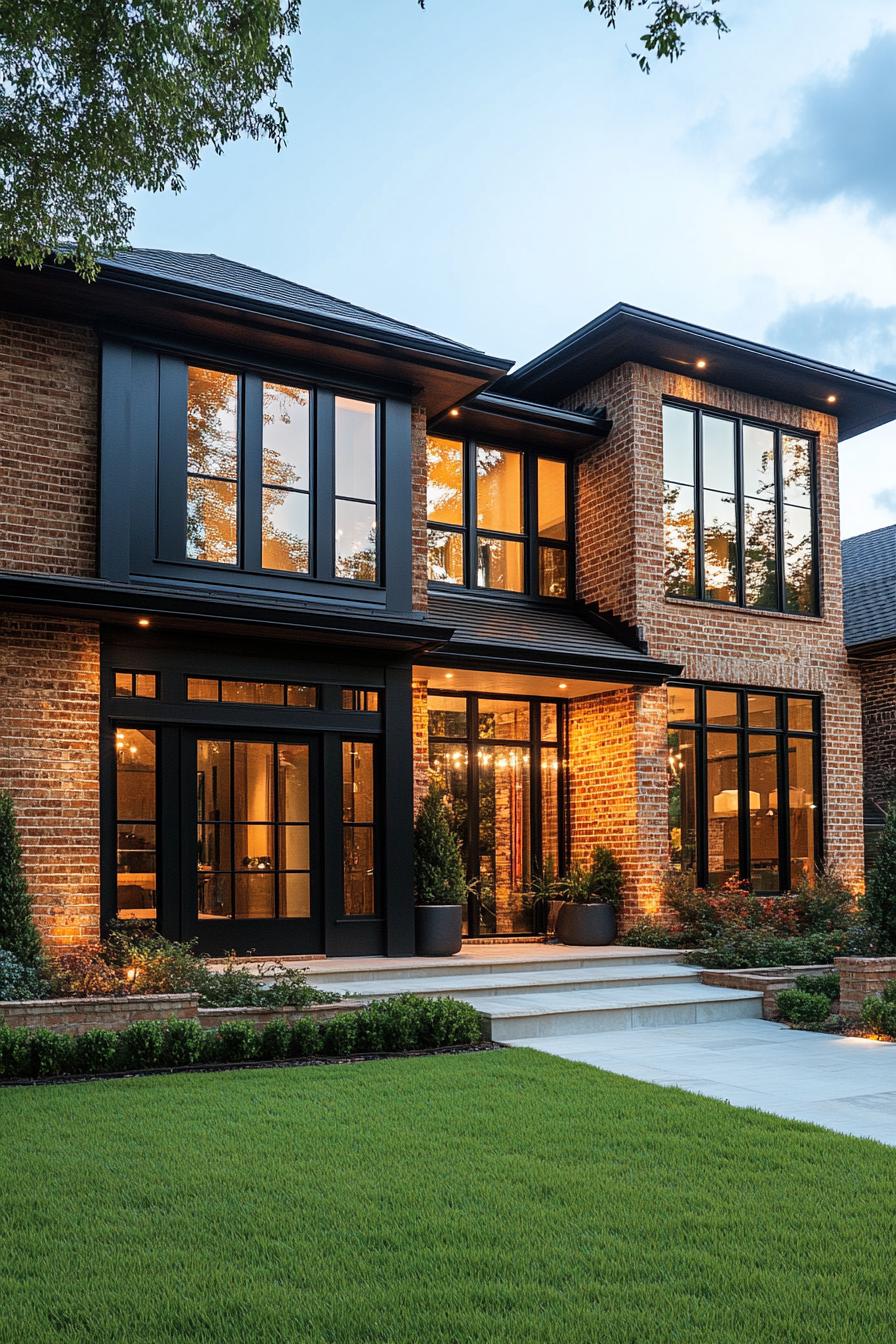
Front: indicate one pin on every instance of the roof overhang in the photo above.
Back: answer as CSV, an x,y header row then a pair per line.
x,y
156,306
625,334
197,609
527,423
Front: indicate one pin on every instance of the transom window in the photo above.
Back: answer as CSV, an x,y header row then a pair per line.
x,y
739,505
232,691
281,478
140,685
743,786
498,518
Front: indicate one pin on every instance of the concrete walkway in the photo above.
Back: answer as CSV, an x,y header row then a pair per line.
x,y
843,1083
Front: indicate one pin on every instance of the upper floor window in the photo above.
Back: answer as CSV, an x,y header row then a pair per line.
x,y
281,478
739,506
498,518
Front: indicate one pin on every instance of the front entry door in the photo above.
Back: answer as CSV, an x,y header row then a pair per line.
x,y
251,867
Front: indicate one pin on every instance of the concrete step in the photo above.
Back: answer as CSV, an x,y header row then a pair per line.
x,y
517,1018
366,970
512,981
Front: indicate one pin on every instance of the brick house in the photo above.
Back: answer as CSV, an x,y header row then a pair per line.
x,y
270,562
869,600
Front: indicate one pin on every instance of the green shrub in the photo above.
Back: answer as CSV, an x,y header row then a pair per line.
x,y
233,1043
51,1052
17,981
142,1045
824,905
275,1038
879,904
339,1036
291,990
15,1052
97,1051
747,948
606,877
827,984
304,1038
650,933
185,1042
795,1005
84,971
18,932
879,1012
439,877
447,1022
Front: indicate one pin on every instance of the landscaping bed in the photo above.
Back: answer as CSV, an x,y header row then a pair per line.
x,y
388,1026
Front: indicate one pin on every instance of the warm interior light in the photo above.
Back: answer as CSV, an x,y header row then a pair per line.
x,y
449,676
561,685
831,399
701,363
144,621
454,411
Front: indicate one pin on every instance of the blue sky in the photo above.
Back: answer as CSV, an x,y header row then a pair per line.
x,y
500,171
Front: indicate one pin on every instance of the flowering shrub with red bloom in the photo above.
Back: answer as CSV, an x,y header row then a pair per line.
x,y
700,914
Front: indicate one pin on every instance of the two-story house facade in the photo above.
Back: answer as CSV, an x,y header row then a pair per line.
x,y
269,563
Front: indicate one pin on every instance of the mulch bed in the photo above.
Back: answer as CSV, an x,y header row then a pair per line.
x,y
310,1061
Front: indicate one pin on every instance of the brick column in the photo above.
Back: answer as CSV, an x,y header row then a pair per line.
x,y
861,976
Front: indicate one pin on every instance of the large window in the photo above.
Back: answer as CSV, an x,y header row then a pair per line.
x,y
281,478
739,512
498,518
498,761
743,786
253,842
358,829
136,822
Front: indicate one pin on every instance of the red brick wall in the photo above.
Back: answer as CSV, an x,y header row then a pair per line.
x,y
620,567
879,725
618,786
49,736
421,743
418,505
49,376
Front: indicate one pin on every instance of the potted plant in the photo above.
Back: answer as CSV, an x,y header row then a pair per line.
x,y
440,885
593,895
544,897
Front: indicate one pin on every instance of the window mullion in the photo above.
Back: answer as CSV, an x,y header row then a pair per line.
x,y
699,559
740,522
323,474
249,482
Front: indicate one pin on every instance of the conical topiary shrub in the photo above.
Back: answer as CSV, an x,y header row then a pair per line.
x,y
439,877
18,933
879,903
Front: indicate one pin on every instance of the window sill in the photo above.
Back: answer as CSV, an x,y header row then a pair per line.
x,y
707,603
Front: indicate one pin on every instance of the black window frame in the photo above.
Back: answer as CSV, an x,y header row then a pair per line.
x,y
532,543
172,476
782,731
779,430
472,742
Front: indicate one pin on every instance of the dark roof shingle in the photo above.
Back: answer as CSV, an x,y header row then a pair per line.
x,y
205,270
869,586
490,628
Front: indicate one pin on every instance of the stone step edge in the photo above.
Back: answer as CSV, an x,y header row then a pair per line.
x,y
642,979
559,1010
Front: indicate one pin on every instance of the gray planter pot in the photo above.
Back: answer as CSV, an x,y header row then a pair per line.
x,y
586,925
438,929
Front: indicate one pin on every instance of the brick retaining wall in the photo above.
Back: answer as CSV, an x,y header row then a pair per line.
x,y
861,976
76,1016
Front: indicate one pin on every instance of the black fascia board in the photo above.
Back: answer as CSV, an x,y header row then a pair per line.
x,y
524,422
202,609
626,334
594,667
443,353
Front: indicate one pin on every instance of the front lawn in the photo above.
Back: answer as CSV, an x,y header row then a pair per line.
x,y
505,1196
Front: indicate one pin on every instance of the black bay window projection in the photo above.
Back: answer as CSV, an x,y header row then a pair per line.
x,y
739,511
280,478
135,822
744,786
499,763
253,830
497,518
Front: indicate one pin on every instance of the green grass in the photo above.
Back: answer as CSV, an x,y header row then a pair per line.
x,y
505,1196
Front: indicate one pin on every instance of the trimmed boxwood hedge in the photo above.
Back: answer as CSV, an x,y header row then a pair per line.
x,y
389,1026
